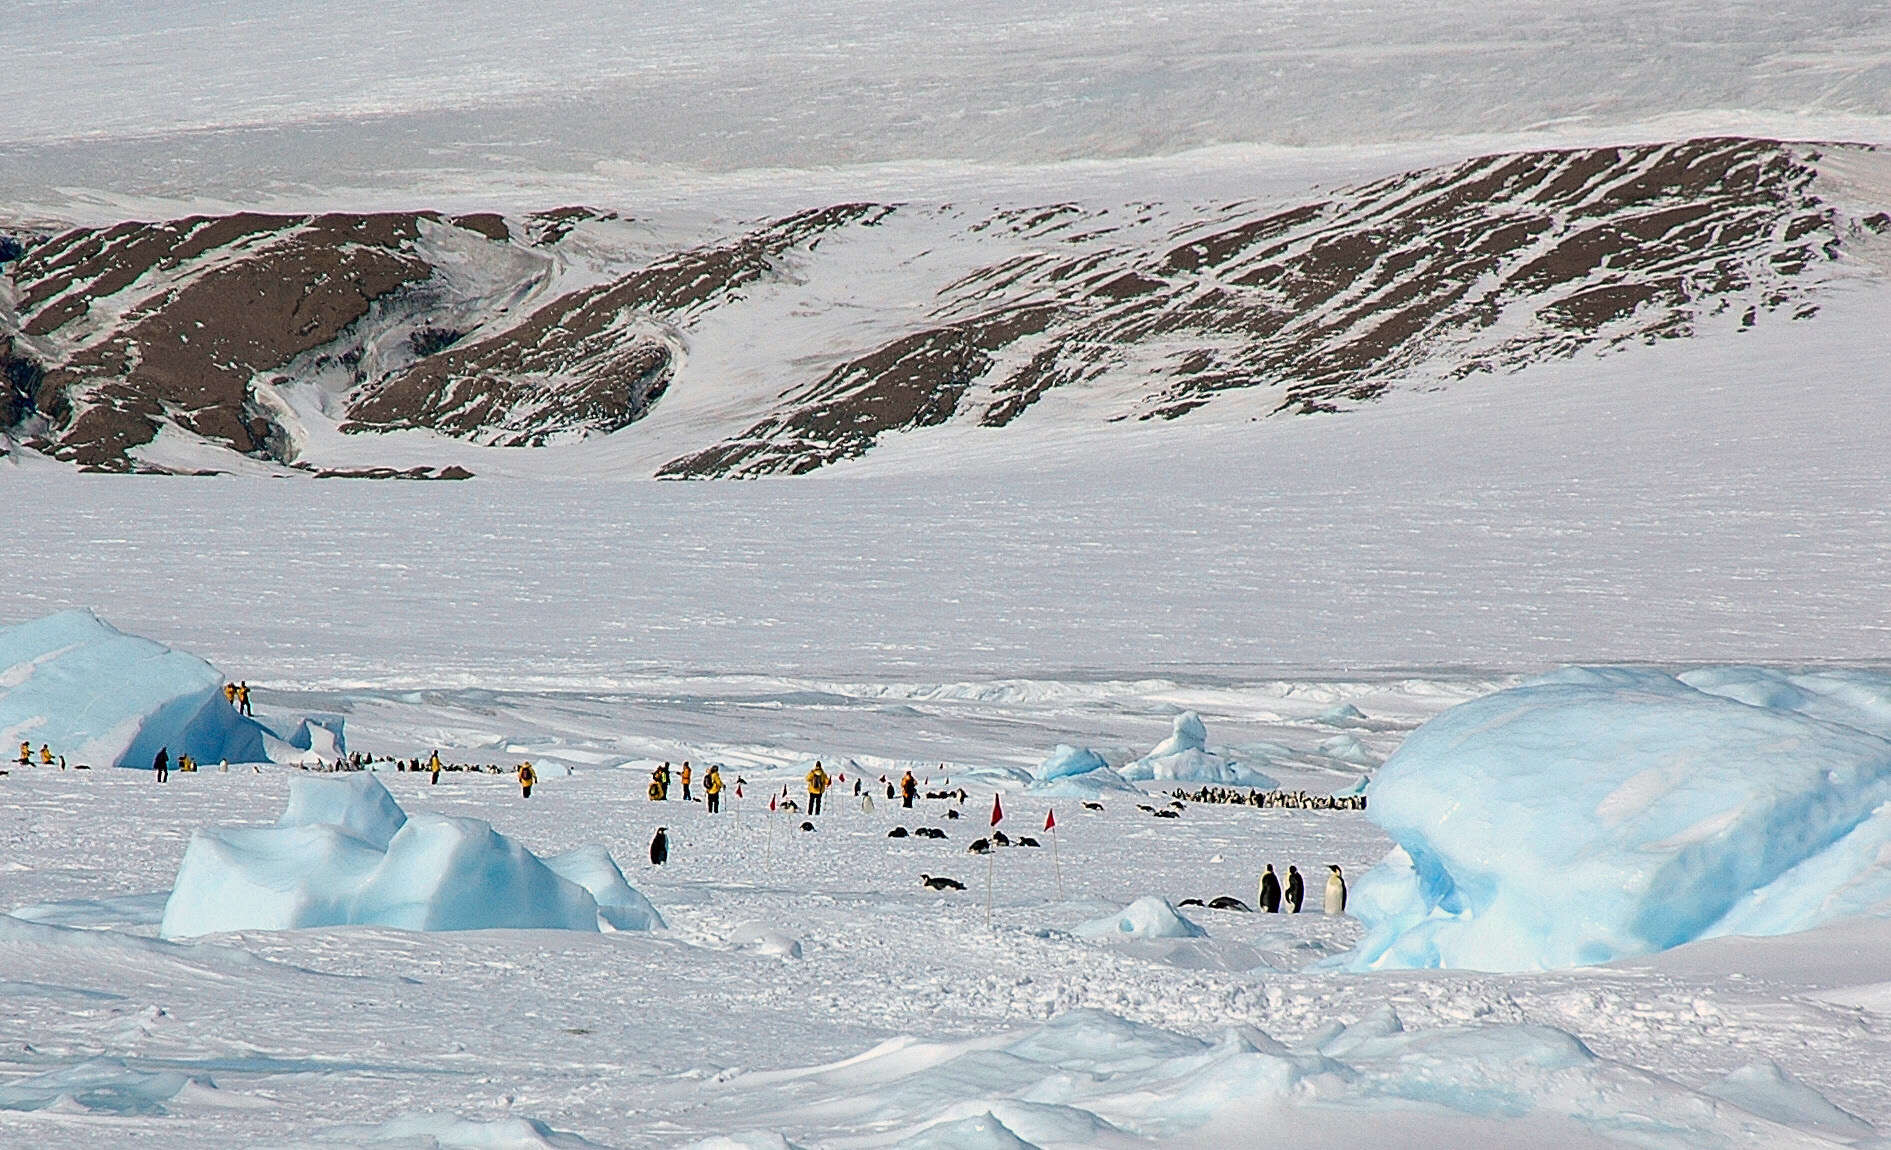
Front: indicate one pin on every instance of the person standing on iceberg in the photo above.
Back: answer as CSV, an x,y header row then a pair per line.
x,y
243,697
1335,890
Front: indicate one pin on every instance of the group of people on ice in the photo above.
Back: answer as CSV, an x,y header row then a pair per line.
x,y
239,696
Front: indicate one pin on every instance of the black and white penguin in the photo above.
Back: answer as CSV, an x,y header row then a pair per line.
x,y
660,847
896,833
1227,902
1335,890
979,847
1296,889
1090,806
941,883
1270,891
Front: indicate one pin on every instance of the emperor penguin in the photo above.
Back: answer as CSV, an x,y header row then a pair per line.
x,y
1335,890
660,847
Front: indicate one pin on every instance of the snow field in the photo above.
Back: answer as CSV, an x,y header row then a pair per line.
x,y
663,1037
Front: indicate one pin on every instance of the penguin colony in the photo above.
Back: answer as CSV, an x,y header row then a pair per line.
x,y
1289,800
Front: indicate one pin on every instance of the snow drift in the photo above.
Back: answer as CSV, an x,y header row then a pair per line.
x,y
1599,813
98,696
345,853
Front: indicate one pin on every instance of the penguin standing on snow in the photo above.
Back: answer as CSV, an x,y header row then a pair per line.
x,y
1296,889
1335,890
660,847
1270,890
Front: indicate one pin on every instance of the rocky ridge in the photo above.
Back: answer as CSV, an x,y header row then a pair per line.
x,y
531,330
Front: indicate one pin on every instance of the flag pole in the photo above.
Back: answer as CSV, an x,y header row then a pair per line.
x,y
997,816
1050,824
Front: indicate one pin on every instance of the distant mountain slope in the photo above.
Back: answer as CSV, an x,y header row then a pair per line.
x,y
798,342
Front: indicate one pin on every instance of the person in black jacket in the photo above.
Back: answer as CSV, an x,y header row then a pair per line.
x,y
162,764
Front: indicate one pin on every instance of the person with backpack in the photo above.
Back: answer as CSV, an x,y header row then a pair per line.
x,y
712,788
817,786
909,790
527,776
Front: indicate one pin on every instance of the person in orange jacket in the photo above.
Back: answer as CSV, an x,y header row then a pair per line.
x,y
909,789
229,693
817,786
685,780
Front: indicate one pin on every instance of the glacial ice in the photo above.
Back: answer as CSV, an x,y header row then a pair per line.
x,y
98,696
345,853
1598,813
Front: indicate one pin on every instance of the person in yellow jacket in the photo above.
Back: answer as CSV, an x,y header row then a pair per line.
x,y
45,755
527,776
660,783
817,786
712,788
433,768
229,693
685,781
26,753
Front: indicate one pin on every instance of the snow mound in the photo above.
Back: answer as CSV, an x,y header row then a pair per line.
x,y
760,938
1763,1088
1147,917
345,854
96,695
99,1086
1597,813
451,1132
1090,1077
1184,757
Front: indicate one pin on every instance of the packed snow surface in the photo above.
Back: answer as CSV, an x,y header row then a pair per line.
x,y
344,853
78,686
1593,814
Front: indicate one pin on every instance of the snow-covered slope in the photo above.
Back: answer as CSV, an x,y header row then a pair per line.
x,y
789,344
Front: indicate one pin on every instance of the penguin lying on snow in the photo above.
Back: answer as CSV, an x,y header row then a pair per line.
x,y
896,833
979,847
660,847
930,833
1000,839
932,883
807,826
1168,814
1090,806
952,814
1028,841
1228,902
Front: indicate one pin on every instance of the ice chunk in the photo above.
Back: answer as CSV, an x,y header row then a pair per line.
x,y
1343,715
1597,813
1067,760
445,873
345,853
1147,917
101,697
620,906
357,803
1348,749
1184,757
322,736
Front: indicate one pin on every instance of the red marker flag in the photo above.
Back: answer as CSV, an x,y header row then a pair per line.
x,y
771,802
1050,819
997,811
738,792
